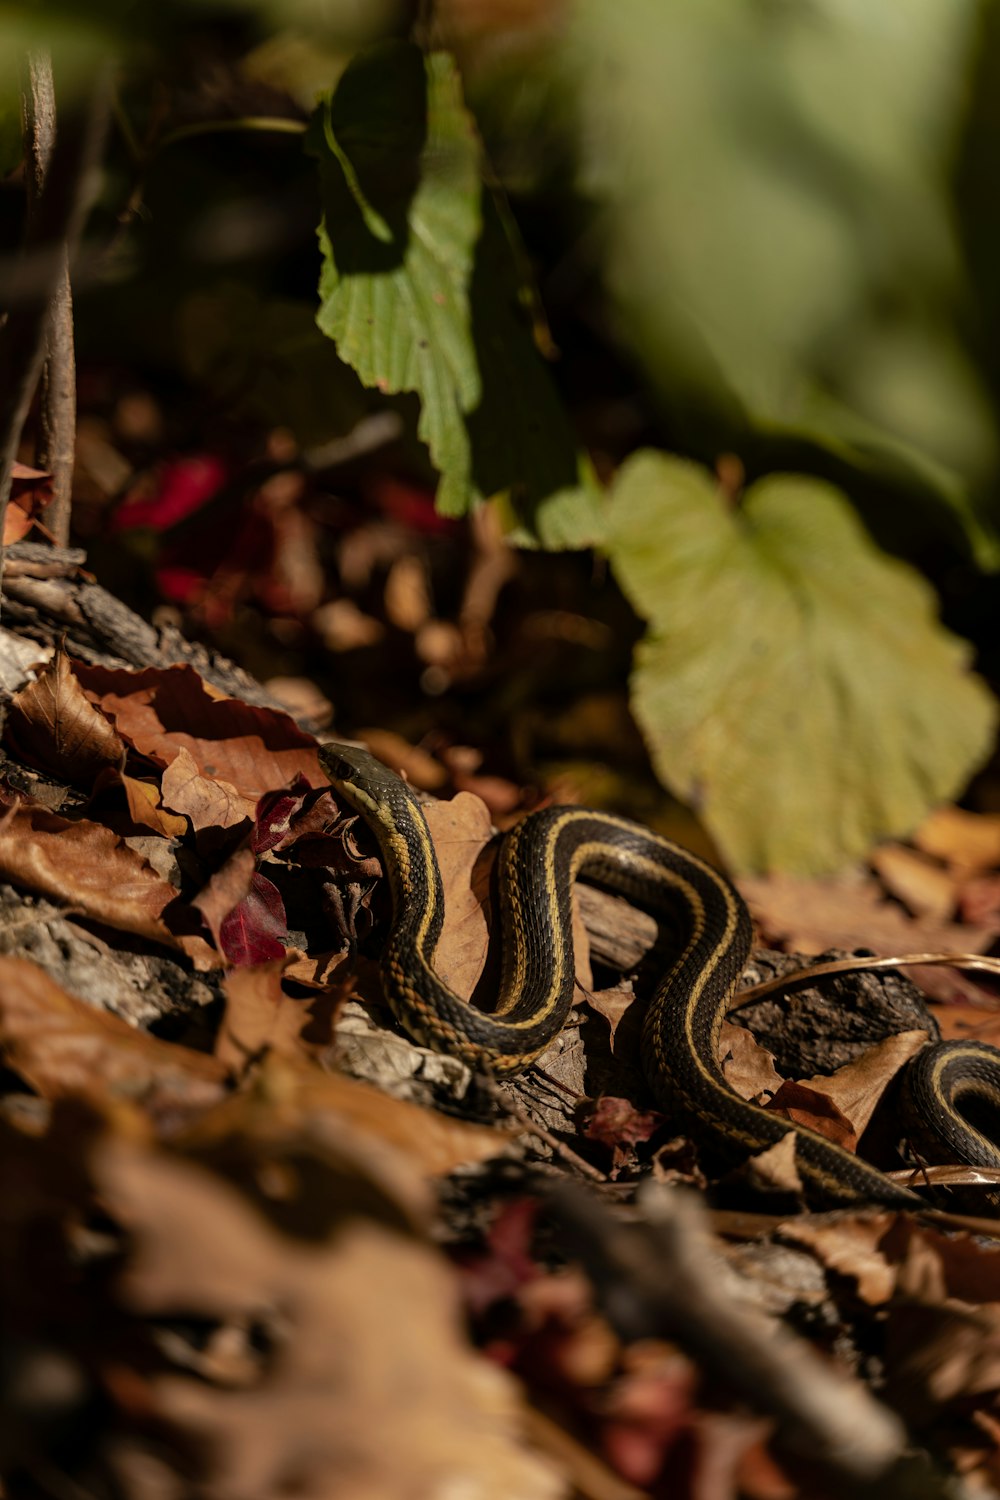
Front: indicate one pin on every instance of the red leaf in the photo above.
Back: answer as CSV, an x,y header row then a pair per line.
x,y
251,933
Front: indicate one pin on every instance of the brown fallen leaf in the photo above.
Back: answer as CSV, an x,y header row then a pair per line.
x,y
851,1246
856,1088
462,832
369,1387
94,871
52,725
144,803
64,1048
287,1096
209,802
813,1108
925,888
30,495
259,1018
968,1023
775,1169
968,840
748,1067
163,710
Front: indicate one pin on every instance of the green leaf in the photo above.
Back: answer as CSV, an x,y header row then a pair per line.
x,y
420,291
397,238
794,686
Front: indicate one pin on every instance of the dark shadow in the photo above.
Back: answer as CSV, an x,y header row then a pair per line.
x,y
378,120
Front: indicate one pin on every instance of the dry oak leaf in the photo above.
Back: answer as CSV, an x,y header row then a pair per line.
x,y
52,725
65,1048
163,710
369,1386
93,870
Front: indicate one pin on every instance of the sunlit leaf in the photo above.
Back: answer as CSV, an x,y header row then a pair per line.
x,y
795,685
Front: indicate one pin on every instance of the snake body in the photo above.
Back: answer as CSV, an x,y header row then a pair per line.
x,y
538,862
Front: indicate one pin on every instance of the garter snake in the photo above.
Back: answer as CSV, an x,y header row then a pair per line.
x,y
538,862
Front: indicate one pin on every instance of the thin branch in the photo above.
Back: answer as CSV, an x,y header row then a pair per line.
x,y
51,238
55,443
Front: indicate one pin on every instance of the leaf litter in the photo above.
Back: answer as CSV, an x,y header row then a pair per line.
x,y
242,1185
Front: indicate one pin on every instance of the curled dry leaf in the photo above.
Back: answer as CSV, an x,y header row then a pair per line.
x,y
145,805
369,1387
93,870
64,1048
53,726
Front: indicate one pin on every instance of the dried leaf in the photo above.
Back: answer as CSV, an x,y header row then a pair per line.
x,y
65,1048
92,869
776,1169
856,1088
226,888
30,496
208,801
252,932
461,831
816,1110
52,725
851,1247
924,888
146,807
812,915
163,710
749,1067
364,1301
966,839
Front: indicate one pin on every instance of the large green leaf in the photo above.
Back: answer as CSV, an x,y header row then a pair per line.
x,y
419,288
779,229
795,685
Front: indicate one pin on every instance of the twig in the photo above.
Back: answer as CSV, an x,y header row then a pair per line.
x,y
56,438
51,238
977,961
665,1278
